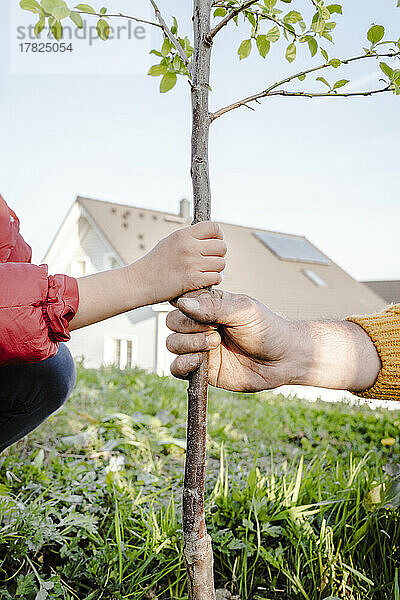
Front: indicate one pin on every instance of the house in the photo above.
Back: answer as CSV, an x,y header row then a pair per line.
x,y
389,290
286,272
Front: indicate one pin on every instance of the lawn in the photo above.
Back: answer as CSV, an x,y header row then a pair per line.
x,y
302,500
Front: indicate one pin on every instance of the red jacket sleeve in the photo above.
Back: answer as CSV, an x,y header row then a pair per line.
x,y
35,310
13,247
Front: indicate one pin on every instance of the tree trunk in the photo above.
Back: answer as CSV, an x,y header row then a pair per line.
x,y
196,541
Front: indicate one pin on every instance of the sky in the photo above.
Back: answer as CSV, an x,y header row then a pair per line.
x,y
327,169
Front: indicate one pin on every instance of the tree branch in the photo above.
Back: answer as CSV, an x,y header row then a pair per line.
x,y
330,94
231,16
119,15
174,40
270,90
277,22
269,18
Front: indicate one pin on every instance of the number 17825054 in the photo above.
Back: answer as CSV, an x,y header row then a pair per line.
x,y
42,47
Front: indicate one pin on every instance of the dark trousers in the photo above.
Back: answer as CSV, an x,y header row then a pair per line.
x,y
30,393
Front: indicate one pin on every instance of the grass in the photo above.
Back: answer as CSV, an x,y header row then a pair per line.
x,y
302,498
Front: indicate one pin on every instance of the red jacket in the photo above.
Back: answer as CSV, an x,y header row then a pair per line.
x,y
35,308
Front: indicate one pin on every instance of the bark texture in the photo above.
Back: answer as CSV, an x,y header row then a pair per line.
x,y
197,543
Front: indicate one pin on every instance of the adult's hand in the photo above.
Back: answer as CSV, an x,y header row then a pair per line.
x,y
252,349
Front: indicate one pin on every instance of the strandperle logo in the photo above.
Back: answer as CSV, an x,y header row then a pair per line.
x,y
81,50
87,32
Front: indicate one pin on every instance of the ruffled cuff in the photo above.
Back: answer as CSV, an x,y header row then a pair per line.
x,y
384,331
61,306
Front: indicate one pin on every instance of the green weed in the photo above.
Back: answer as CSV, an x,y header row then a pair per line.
x,y
302,498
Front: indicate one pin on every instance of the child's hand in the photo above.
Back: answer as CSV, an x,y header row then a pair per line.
x,y
188,259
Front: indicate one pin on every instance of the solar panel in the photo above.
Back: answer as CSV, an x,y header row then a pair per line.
x,y
291,248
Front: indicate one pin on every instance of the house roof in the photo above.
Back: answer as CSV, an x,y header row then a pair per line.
x,y
389,290
252,267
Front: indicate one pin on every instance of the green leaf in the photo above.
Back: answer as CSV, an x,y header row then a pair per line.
x,y
327,36
39,458
185,42
291,52
263,45
50,5
324,12
335,8
273,34
335,62
340,83
56,30
103,10
323,80
293,17
290,28
174,28
318,23
167,82
375,34
39,26
251,18
331,25
313,46
103,29
25,585
302,77
85,8
157,70
61,12
177,63
325,54
77,19
244,49
166,47
386,69
220,12
31,5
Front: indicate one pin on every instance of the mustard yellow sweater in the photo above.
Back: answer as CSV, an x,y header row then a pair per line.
x,y
384,330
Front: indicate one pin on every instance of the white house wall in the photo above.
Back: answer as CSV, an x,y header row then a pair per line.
x,y
88,343
95,248
164,357
65,245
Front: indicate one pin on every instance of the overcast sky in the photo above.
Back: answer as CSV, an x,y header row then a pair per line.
x,y
327,169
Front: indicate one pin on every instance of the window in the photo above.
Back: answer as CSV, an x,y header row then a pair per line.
x,y
117,353
291,247
78,268
315,278
129,354
120,352
110,262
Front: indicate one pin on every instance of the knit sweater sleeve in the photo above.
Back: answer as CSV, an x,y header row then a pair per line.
x,y
384,330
